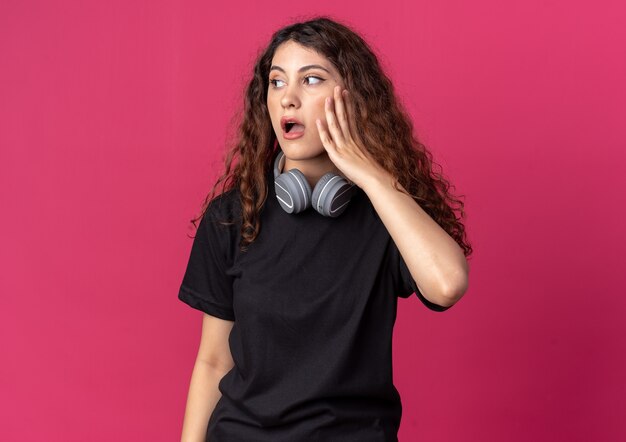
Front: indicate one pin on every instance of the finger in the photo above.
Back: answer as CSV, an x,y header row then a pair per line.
x,y
351,115
324,135
333,126
341,113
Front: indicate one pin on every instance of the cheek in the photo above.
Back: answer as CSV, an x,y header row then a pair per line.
x,y
270,103
320,105
272,109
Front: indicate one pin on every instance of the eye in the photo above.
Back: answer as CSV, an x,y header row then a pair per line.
x,y
313,76
273,82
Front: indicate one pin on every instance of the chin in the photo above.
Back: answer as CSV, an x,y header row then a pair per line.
x,y
300,151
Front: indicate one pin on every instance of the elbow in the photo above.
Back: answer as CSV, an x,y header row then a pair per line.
x,y
453,292
450,289
455,284
444,297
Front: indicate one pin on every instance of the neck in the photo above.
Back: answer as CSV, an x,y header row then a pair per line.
x,y
313,168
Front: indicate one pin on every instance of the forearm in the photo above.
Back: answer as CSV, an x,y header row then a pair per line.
x,y
433,257
201,400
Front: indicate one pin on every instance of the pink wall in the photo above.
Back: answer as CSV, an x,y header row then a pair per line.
x,y
112,120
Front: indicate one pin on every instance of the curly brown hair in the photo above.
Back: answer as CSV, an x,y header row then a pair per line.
x,y
386,130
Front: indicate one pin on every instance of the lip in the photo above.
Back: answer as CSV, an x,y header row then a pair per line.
x,y
291,136
287,119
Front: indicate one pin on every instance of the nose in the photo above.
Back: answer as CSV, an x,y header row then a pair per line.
x,y
290,97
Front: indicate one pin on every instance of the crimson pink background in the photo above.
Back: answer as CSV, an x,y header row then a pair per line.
x,y
112,121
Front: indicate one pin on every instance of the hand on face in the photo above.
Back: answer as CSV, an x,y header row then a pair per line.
x,y
342,141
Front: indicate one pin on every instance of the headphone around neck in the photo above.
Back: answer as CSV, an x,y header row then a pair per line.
x,y
330,197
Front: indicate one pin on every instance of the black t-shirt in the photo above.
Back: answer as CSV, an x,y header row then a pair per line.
x,y
314,304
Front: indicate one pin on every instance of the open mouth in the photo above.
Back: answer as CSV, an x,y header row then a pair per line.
x,y
293,128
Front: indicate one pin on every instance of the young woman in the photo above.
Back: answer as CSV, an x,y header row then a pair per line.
x,y
331,212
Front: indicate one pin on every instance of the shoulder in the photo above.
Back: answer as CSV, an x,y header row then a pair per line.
x,y
225,206
221,223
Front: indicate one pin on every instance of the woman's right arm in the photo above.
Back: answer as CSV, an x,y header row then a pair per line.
x,y
214,360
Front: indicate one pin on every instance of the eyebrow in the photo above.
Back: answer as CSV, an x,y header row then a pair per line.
x,y
302,69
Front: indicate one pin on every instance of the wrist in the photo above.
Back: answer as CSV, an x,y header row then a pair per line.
x,y
378,181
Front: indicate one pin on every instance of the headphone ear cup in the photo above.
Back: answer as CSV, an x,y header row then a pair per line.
x,y
331,195
293,191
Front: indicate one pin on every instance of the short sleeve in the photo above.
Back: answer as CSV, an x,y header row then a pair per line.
x,y
206,284
407,285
